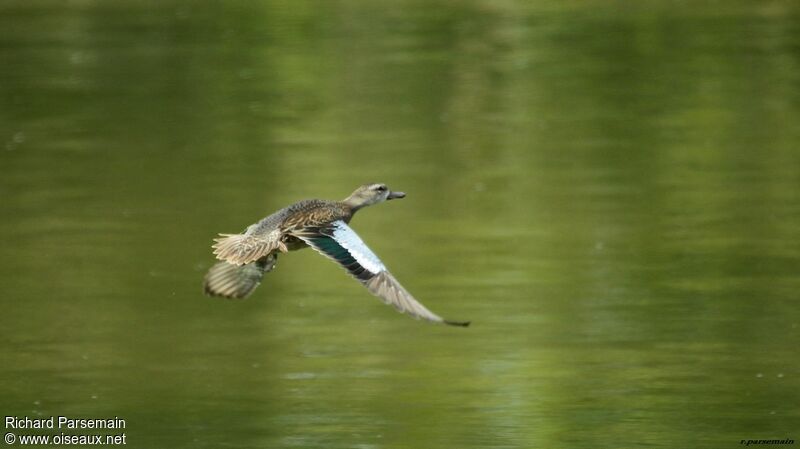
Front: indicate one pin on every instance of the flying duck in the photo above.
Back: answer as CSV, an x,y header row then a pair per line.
x,y
324,226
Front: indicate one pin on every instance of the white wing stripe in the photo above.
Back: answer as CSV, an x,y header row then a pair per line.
x,y
356,247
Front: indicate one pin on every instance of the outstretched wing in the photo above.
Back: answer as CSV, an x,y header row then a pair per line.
x,y
341,244
237,281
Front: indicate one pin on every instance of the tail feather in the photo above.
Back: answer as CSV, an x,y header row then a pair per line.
x,y
234,281
241,249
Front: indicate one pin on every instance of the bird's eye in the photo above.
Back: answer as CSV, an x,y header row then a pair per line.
x,y
380,188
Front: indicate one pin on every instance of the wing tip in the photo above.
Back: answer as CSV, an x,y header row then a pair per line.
x,y
213,294
457,323
230,281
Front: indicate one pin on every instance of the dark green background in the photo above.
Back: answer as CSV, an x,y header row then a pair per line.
x,y
607,189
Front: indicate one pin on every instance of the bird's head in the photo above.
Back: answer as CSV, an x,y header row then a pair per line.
x,y
370,194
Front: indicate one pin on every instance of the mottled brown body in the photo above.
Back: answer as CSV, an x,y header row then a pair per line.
x,y
275,232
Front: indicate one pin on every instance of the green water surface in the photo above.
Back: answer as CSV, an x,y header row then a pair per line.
x,y
609,190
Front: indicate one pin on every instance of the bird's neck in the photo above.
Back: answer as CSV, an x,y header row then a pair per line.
x,y
348,210
353,203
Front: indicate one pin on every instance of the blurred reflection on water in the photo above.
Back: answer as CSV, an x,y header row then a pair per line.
x,y
609,192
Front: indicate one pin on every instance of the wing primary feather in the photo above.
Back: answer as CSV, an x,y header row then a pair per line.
x,y
458,323
237,281
341,244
